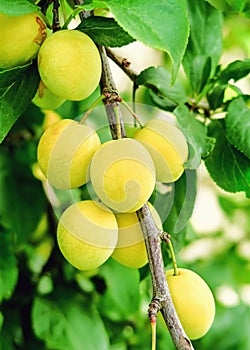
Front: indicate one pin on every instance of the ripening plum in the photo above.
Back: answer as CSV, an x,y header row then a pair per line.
x,y
167,146
64,153
87,234
130,249
122,174
69,64
193,301
20,38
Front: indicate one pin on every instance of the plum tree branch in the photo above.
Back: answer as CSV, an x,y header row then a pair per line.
x,y
123,63
161,300
56,21
110,101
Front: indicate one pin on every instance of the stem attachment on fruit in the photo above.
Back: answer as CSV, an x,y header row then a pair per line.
x,y
171,249
167,238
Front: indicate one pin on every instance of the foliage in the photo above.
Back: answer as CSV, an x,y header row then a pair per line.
x,y
47,304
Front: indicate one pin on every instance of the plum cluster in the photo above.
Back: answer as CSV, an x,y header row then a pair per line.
x,y
123,174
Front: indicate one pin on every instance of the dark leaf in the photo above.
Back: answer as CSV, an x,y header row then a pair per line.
x,y
237,123
228,167
196,134
22,200
8,264
164,94
215,96
105,31
235,70
17,88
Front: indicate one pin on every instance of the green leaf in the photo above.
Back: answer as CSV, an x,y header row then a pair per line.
x,y
225,337
200,69
237,123
196,134
161,24
228,167
8,265
105,31
205,42
64,320
219,4
91,5
164,94
17,7
235,70
215,96
175,203
17,88
176,206
238,5
121,298
20,207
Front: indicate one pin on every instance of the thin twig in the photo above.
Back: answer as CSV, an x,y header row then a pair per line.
x,y
56,21
135,116
123,63
44,4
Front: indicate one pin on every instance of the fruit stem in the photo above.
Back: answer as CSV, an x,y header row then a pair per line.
x,y
135,116
153,328
90,109
171,249
164,236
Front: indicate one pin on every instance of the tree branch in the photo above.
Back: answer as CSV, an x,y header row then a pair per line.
x,y
123,63
161,300
109,90
56,21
